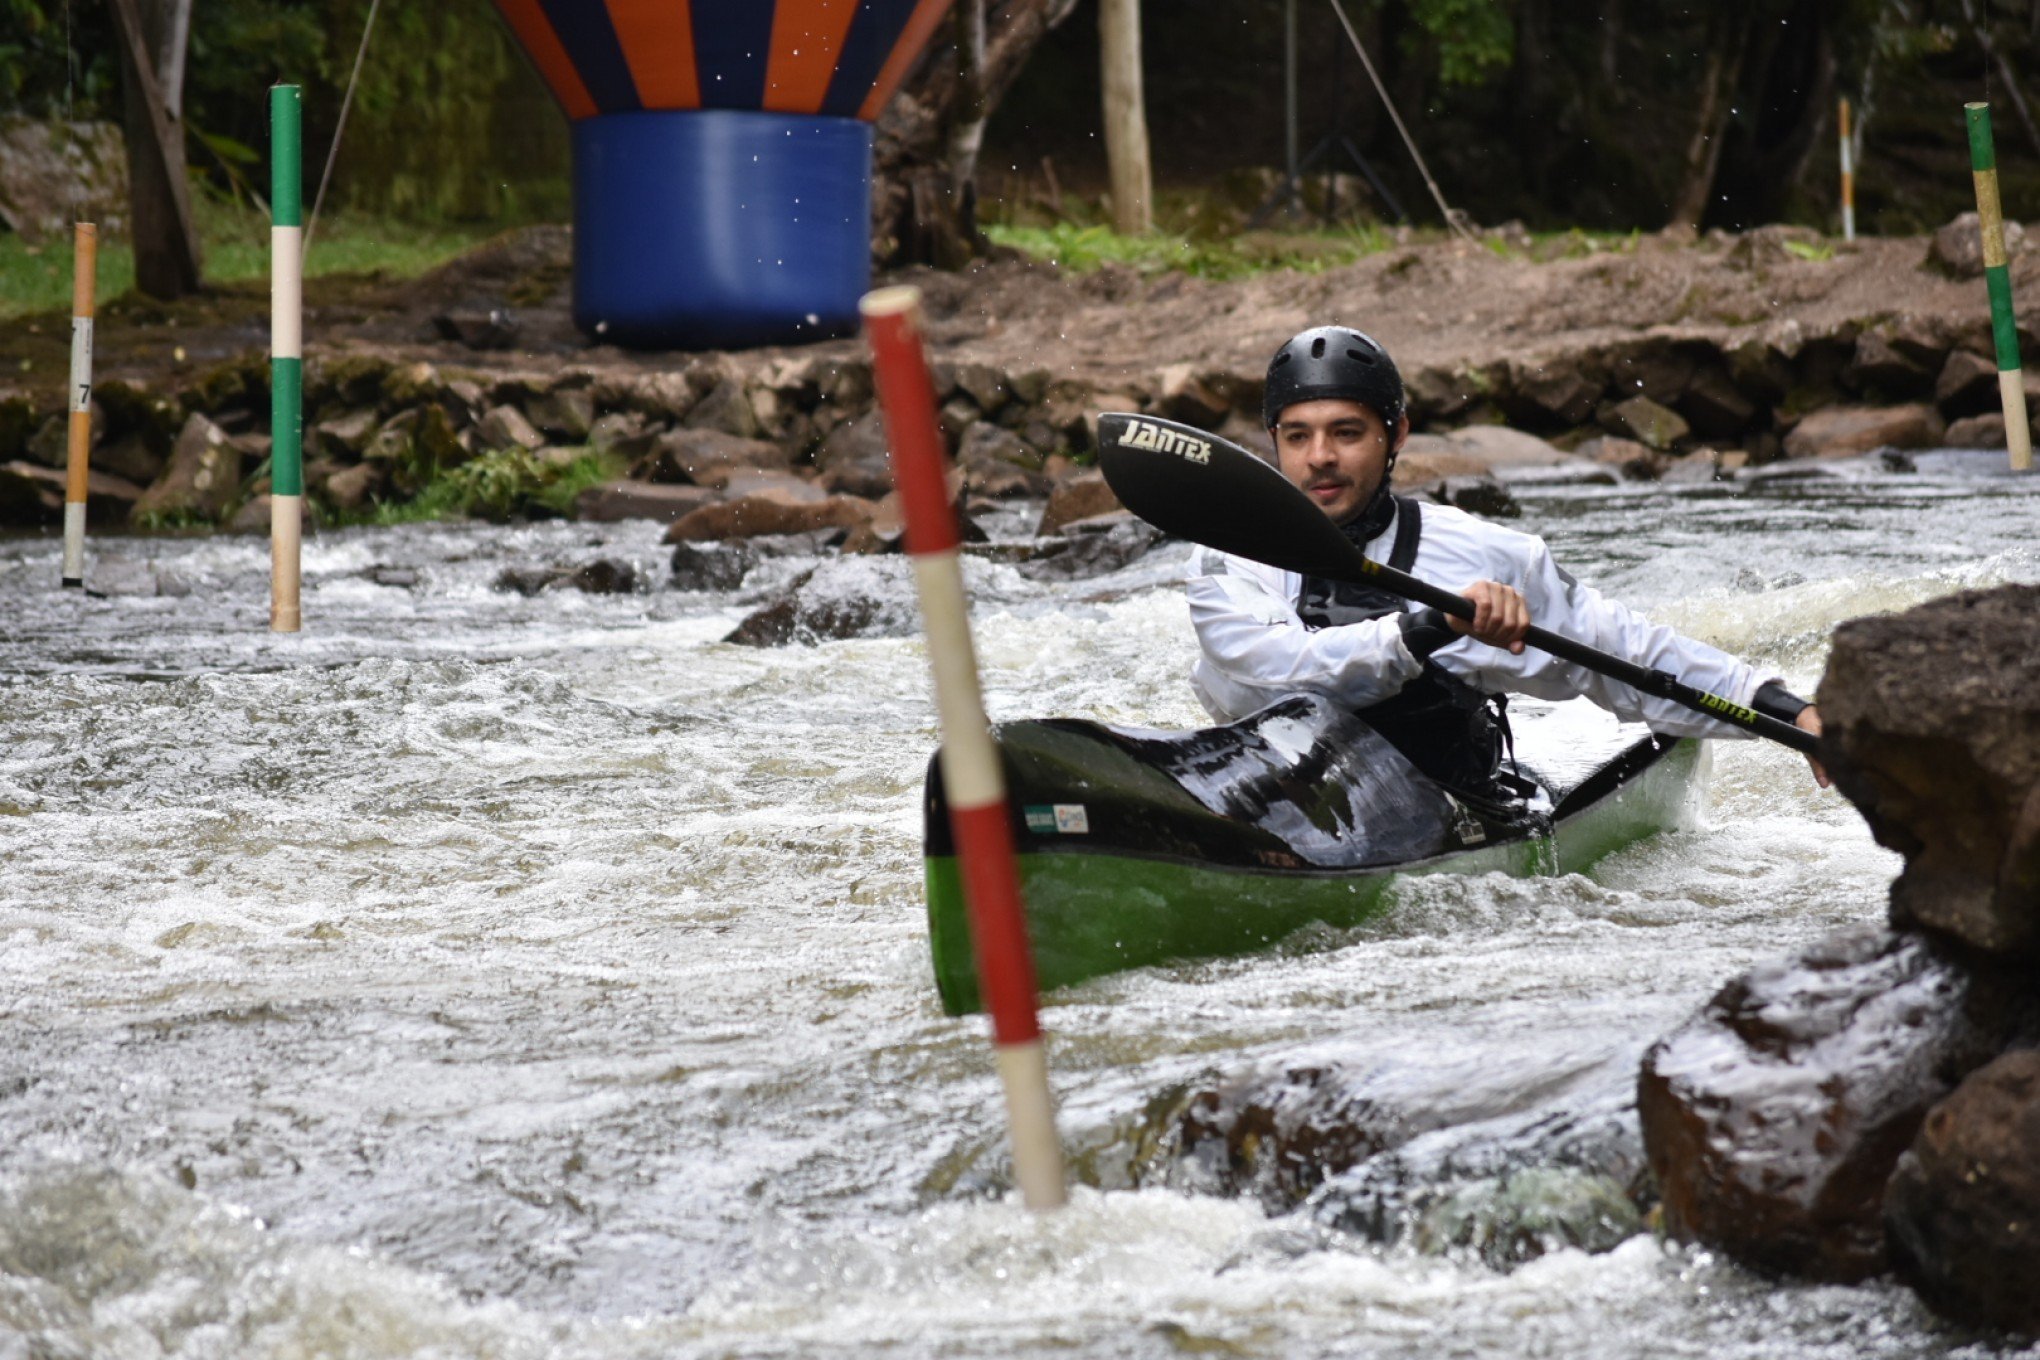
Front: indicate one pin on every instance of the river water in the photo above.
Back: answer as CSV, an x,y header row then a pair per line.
x,y
481,975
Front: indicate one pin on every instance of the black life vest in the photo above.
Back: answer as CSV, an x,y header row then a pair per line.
x,y
1451,730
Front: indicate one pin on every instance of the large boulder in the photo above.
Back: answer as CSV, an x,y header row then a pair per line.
x,y
1957,248
707,457
755,516
1845,431
855,457
845,597
1933,730
1082,496
614,501
1774,1117
202,479
1964,1205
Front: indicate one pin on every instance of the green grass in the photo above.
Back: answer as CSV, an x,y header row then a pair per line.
x,y
1083,249
499,486
36,279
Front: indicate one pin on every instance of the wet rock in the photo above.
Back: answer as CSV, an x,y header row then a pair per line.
x,y
847,597
1845,431
1521,1215
622,434
725,408
1081,496
1196,398
202,478
1482,496
1714,405
1506,450
344,435
1968,385
1647,422
710,566
396,578
50,445
1635,461
614,501
1774,1117
1092,547
779,485
707,456
1279,1136
999,464
486,329
1957,248
32,494
854,458
603,576
252,517
753,516
984,385
1931,732
1427,459
1977,432
132,458
1559,388
505,427
352,488
1882,367
1963,1208
566,413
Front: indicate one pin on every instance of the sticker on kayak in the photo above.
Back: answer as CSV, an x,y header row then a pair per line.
x,y
1059,819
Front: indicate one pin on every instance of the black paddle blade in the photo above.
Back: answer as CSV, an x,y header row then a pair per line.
x,y
1195,485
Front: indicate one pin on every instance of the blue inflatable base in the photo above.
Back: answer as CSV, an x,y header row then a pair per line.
x,y
720,229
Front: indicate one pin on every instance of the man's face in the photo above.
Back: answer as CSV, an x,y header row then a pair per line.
x,y
1336,451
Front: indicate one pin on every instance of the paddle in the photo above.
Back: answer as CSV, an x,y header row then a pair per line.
x,y
1193,484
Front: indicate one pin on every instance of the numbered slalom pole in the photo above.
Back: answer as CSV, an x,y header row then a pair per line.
x,y
1848,178
78,463
978,814
1997,275
286,357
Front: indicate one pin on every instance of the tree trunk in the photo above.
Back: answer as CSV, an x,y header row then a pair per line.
x,y
1703,153
168,261
922,211
1126,136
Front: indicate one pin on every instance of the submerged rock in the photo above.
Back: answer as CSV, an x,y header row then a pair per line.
x,y
1964,1205
1773,1118
848,597
603,576
1094,546
1933,730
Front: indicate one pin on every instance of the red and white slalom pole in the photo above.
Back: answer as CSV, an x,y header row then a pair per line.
x,y
78,469
978,816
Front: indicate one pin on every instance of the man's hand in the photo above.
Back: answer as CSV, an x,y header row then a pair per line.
x,y
1500,616
1809,719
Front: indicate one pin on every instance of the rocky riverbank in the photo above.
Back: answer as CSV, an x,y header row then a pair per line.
x,y
1664,358
1872,1102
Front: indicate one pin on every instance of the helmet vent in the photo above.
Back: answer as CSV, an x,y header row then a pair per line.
x,y
1284,357
1317,348
1360,355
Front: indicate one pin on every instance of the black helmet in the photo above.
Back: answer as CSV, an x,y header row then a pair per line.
x,y
1336,362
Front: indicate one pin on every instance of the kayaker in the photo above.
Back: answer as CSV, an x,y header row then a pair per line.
x,y
1432,684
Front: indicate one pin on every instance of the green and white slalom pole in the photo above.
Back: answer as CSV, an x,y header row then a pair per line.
x,y
1997,273
78,459
286,357
980,818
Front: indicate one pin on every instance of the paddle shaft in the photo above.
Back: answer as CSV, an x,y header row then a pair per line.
x,y
1205,488
1660,684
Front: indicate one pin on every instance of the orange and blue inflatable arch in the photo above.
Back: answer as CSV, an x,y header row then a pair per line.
x,y
722,158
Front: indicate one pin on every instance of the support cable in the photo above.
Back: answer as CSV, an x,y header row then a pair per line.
x,y
346,102
1454,219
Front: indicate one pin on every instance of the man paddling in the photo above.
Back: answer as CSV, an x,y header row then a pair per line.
x,y
1432,684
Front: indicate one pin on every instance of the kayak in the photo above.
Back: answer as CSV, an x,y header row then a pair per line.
x,y
1138,847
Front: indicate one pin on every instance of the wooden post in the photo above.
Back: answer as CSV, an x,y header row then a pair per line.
x,y
1126,138
979,817
1997,275
1848,177
286,357
78,468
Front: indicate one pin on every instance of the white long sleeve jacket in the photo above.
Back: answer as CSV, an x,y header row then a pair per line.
x,y
1256,649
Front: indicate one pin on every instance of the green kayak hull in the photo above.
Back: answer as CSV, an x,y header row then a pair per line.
x,y
1091,912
